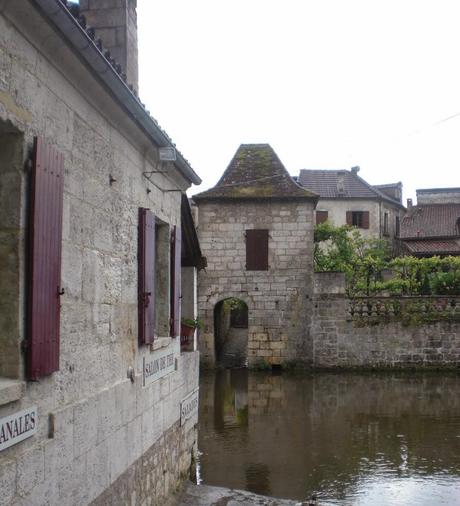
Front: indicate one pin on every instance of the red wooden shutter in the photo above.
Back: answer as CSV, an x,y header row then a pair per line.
x,y
176,242
350,218
321,216
146,288
365,219
45,243
257,250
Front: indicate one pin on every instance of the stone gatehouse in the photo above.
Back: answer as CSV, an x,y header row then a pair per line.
x,y
256,230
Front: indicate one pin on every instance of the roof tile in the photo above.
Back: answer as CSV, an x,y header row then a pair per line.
x,y
431,220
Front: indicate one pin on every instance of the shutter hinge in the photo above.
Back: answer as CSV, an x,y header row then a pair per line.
x,y
24,345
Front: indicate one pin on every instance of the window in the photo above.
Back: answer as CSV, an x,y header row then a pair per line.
x,y
321,217
257,250
358,219
11,238
397,226
385,224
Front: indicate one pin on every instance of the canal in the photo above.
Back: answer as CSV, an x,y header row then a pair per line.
x,y
349,439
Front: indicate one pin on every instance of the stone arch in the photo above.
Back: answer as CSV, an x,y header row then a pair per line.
x,y
230,332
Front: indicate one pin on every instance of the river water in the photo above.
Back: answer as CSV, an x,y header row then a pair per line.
x,y
349,439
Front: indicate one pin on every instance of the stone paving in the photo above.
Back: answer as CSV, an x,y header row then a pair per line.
x,y
203,495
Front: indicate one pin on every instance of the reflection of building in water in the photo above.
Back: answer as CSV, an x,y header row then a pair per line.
x,y
326,433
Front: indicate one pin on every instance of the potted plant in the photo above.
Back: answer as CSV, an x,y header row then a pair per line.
x,y
188,326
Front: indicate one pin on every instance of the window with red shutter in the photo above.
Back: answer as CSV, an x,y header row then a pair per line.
x,y
45,238
359,219
146,288
175,282
257,250
321,216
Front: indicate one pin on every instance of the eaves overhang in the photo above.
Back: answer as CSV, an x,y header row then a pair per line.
x,y
57,13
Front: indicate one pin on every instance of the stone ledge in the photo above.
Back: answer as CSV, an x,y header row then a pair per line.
x,y
10,390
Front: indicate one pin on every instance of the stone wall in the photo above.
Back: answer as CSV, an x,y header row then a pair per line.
x,y
383,332
276,297
94,424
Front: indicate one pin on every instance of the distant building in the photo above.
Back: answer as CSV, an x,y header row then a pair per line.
x,y
256,230
345,198
432,227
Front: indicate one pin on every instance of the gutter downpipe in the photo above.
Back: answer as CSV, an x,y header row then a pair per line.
x,y
66,24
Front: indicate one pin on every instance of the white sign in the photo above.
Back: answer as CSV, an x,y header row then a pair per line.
x,y
17,427
159,364
189,406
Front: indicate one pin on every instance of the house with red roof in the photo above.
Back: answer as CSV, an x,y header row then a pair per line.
x,y
432,227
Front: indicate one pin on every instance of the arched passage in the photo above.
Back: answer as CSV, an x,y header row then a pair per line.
x,y
231,332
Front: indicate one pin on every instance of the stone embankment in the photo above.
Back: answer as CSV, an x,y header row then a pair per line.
x,y
203,495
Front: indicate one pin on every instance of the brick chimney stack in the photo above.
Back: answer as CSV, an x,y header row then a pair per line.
x,y
115,22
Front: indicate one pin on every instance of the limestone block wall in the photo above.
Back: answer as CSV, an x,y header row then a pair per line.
x,y
276,297
94,424
369,333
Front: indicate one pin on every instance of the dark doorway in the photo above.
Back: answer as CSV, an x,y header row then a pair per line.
x,y
231,333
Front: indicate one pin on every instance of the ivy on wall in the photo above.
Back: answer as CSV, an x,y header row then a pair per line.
x,y
370,271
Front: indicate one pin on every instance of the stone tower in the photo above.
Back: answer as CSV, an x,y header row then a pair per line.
x,y
256,230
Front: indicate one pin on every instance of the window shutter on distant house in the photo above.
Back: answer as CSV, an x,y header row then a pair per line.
x,y
350,218
176,250
365,219
257,250
146,288
45,245
321,216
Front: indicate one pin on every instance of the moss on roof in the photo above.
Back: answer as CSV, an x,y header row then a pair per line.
x,y
256,172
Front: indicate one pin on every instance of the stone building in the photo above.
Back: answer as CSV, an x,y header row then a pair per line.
x,y
256,230
97,402
346,198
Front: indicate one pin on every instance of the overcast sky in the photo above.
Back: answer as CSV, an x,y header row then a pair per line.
x,y
328,83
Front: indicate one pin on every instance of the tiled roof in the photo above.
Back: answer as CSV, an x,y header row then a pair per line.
x,y
256,172
431,220
434,247
340,184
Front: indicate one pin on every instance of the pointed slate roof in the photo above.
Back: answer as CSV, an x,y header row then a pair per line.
x,y
256,172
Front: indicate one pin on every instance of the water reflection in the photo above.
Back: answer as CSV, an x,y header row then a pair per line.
x,y
348,438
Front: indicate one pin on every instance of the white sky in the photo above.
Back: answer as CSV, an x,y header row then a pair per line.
x,y
328,83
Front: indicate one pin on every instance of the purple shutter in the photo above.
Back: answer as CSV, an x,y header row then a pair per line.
x,y
350,218
257,250
321,217
45,241
146,288
176,241
365,219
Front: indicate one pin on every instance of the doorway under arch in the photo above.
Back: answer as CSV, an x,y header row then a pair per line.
x,y
231,333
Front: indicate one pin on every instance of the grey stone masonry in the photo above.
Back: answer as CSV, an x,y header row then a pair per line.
x,y
382,332
279,298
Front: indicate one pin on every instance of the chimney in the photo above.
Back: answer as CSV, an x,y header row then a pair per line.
x,y
355,170
409,204
340,183
115,23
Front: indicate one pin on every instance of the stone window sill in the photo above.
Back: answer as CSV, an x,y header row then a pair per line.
x,y
160,342
10,390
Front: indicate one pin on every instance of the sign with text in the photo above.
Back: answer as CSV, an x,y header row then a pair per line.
x,y
189,406
159,364
17,427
